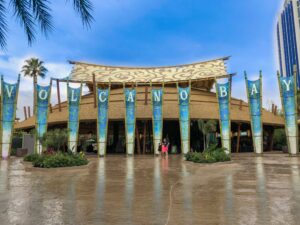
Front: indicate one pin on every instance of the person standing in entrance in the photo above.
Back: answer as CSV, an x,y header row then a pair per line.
x,y
165,148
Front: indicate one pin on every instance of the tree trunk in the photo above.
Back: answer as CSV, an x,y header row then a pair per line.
x,y
207,140
34,93
204,144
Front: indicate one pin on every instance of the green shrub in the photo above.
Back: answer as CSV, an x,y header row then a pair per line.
x,y
212,154
55,139
31,157
279,138
57,160
13,152
189,156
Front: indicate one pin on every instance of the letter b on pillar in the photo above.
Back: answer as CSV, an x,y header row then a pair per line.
x,y
223,95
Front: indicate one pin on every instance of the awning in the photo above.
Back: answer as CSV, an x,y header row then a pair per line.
x,y
169,74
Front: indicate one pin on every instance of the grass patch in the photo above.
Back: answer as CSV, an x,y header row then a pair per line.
x,y
58,159
212,154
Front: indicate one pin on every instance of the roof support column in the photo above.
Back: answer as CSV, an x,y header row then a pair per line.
x,y
25,113
95,90
146,95
238,137
58,94
137,133
29,114
144,137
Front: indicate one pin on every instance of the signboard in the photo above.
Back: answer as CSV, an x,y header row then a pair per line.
x,y
41,112
9,95
102,120
130,101
74,95
184,118
255,110
288,92
157,117
223,95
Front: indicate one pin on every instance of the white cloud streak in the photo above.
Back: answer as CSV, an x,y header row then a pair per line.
x,y
12,66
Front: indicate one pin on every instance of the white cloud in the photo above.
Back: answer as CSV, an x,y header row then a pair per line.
x,y
11,66
270,94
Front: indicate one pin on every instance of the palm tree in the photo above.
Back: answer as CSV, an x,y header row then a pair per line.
x,y
37,12
34,68
206,129
298,102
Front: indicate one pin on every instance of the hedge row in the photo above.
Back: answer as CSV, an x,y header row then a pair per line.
x,y
57,160
212,154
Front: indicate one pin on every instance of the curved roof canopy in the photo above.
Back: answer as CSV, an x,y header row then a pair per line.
x,y
169,74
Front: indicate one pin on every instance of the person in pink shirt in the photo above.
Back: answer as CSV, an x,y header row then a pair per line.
x,y
165,148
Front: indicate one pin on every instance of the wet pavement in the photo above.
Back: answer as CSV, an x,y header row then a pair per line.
x,y
147,190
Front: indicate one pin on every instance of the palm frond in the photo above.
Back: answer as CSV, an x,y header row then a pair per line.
x,y
84,8
3,25
42,14
22,12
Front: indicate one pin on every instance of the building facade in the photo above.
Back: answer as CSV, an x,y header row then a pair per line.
x,y
203,105
288,38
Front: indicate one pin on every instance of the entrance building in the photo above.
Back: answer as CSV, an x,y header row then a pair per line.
x,y
203,105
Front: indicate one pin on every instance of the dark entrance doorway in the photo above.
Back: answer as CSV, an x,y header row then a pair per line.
x,y
144,137
116,143
171,130
196,137
116,139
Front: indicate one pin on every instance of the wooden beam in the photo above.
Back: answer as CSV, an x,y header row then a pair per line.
x,y
29,114
241,105
25,113
34,94
50,105
95,90
58,95
137,136
238,138
146,95
144,136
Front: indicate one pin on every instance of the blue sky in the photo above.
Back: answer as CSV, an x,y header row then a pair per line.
x,y
154,33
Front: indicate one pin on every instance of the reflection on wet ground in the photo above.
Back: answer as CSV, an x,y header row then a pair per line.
x,y
147,190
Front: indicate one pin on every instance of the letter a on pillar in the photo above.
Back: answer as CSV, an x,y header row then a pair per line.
x,y
130,101
255,109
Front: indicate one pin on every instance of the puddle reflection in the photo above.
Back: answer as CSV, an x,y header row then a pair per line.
x,y
100,187
262,208
157,186
118,190
129,189
296,188
229,200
